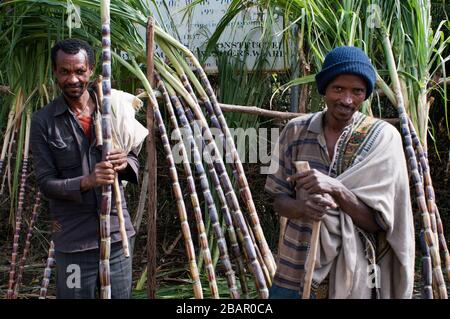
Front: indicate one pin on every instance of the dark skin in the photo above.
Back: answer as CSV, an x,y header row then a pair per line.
x,y
73,72
343,96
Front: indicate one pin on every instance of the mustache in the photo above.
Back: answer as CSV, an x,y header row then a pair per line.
x,y
75,86
345,105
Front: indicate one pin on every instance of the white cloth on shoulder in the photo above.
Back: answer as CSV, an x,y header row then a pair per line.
x,y
380,180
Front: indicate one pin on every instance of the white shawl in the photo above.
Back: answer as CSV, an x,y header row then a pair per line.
x,y
380,180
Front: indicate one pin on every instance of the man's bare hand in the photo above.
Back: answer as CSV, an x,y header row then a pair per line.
x,y
118,158
103,174
314,182
315,206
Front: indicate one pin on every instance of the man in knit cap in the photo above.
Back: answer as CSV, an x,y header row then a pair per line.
x,y
357,186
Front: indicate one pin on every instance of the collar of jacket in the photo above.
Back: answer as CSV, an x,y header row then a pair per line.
x,y
62,106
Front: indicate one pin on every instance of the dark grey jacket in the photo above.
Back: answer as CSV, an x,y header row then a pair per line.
x,y
61,154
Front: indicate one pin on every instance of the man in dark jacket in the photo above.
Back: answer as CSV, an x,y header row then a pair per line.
x,y
70,174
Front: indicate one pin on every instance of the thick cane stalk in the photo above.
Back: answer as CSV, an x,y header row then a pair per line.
x,y
413,167
18,224
173,100
47,271
26,249
105,238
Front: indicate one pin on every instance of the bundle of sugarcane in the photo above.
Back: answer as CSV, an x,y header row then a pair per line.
x,y
209,100
261,277
191,188
203,182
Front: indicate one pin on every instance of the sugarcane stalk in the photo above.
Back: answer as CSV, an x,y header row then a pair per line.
x,y
233,234
267,275
412,161
243,234
151,172
47,271
98,123
170,102
20,206
26,249
180,204
105,237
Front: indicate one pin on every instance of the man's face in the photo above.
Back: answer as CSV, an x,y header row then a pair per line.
x,y
344,96
72,72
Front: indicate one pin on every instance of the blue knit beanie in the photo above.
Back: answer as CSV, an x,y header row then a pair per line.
x,y
346,60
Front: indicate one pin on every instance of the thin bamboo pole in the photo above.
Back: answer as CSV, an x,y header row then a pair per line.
x,y
105,242
151,175
20,206
203,240
26,249
47,271
172,102
412,161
